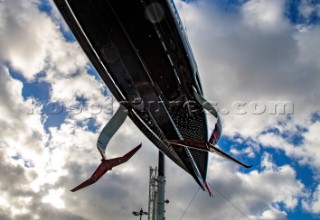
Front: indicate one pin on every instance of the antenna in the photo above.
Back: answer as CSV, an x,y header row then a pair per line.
x,y
139,213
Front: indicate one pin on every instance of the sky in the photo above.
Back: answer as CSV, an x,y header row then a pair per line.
x,y
251,54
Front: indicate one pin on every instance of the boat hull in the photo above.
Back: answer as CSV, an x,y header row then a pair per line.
x,y
141,52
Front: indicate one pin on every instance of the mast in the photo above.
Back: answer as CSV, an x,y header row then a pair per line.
x,y
161,188
156,209
152,193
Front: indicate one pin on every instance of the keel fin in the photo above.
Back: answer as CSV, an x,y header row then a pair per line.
x,y
208,147
209,190
120,160
105,166
216,150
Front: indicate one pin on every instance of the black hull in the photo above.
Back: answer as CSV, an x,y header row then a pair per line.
x,y
143,56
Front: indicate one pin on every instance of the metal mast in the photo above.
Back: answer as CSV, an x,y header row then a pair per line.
x,y
161,188
157,200
152,193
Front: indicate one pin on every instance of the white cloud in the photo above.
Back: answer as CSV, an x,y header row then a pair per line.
x,y
30,41
266,61
307,8
273,214
252,195
309,45
67,89
313,205
54,198
23,132
265,14
307,153
60,160
21,45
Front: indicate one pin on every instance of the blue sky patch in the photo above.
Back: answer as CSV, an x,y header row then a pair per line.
x,y
36,89
56,114
45,6
295,15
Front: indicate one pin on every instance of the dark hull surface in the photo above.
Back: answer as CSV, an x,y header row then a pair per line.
x,y
140,51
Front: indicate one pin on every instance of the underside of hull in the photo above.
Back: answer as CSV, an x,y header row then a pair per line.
x,y
145,60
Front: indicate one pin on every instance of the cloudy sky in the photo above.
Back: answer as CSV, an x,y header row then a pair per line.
x,y
250,54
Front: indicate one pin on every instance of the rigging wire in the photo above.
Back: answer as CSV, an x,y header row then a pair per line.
x,y
221,194
231,203
185,211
